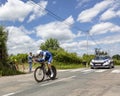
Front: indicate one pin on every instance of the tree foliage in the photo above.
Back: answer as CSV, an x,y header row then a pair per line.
x,y
59,54
50,44
99,52
117,57
3,47
87,58
63,56
19,58
6,68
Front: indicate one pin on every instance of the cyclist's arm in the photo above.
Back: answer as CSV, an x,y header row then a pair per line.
x,y
40,60
44,55
43,58
35,60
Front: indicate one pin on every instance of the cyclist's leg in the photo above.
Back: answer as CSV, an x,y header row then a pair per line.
x,y
49,65
49,62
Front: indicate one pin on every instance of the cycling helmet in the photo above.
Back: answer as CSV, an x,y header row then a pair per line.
x,y
39,51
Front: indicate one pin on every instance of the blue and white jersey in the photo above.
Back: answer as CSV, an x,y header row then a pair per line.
x,y
46,55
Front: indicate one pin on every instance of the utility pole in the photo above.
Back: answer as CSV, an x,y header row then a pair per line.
x,y
87,47
87,42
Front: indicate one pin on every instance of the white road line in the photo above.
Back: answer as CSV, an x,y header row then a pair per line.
x,y
115,71
75,70
62,70
87,71
71,70
100,70
63,79
9,94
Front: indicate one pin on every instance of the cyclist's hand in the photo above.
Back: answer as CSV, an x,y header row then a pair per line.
x,y
34,60
42,60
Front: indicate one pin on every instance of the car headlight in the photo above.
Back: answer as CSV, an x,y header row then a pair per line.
x,y
107,62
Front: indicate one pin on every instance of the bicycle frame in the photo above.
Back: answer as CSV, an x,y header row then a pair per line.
x,y
43,66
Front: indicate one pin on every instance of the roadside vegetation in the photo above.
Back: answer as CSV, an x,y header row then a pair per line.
x,y
5,67
116,59
62,59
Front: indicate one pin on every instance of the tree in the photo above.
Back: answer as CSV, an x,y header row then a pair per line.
x,y
117,57
87,58
50,44
6,67
3,47
99,52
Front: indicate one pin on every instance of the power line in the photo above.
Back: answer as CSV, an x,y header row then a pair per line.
x,y
55,16
61,19
94,41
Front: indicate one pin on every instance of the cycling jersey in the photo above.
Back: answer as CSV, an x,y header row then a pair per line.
x,y
46,56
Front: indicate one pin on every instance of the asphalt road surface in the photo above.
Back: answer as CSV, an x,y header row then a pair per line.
x,y
75,82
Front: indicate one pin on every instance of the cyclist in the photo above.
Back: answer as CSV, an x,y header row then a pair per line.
x,y
45,56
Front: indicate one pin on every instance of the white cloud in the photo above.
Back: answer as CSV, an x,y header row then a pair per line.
x,y
58,30
110,39
89,14
38,10
70,45
102,28
14,10
80,34
118,13
19,41
110,44
81,3
81,46
108,15
112,12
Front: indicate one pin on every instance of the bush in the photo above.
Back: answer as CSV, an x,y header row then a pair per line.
x,y
8,72
62,65
116,62
65,57
87,58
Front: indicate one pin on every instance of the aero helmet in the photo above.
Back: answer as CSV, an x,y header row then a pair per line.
x,y
39,51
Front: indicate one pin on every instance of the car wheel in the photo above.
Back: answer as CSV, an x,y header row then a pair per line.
x,y
92,67
113,66
110,66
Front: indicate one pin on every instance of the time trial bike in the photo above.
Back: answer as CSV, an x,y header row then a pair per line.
x,y
43,70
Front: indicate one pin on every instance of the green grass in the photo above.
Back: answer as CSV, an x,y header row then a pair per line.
x,y
71,66
61,65
8,72
58,65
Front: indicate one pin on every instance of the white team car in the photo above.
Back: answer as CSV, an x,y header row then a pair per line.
x,y
102,62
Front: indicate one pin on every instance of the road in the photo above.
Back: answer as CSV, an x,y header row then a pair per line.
x,y
72,82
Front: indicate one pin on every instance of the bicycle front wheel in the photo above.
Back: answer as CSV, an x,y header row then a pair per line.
x,y
39,74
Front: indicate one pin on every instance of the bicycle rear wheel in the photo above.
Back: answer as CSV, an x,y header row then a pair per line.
x,y
39,74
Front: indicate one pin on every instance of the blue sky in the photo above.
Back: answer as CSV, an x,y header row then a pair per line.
x,y
74,23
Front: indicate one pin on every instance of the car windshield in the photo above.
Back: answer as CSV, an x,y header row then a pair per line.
x,y
100,58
